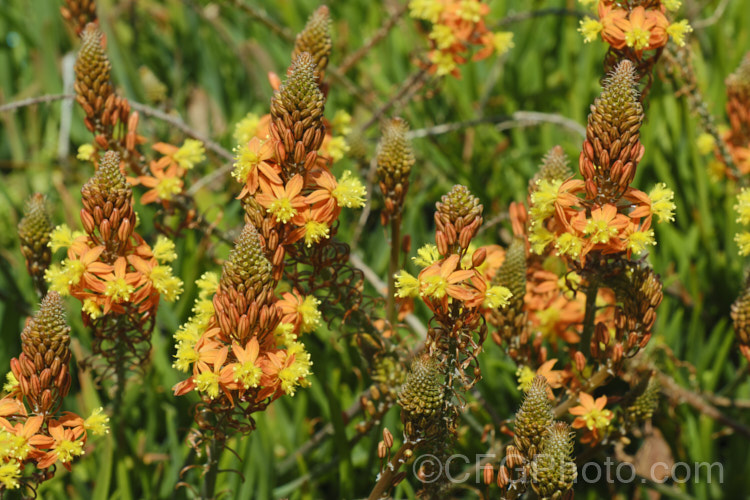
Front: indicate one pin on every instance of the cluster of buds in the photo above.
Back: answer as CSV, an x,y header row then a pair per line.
x,y
395,159
643,406
79,13
241,344
108,116
741,319
456,27
116,275
541,453
34,234
33,431
315,39
422,399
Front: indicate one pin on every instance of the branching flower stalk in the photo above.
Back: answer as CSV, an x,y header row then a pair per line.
x,y
34,434
394,162
117,276
454,285
292,197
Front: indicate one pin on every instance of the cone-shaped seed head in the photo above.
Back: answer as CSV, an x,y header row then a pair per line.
x,y
395,159
299,95
246,268
741,316
554,168
47,333
533,418
645,404
92,68
421,396
553,470
459,203
612,148
512,273
315,39
34,233
109,176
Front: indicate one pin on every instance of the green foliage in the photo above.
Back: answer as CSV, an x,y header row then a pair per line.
x,y
213,59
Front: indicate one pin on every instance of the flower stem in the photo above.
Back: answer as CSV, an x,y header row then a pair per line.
x,y
385,483
590,314
209,480
393,269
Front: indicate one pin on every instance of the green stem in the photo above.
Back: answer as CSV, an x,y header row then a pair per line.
x,y
393,269
120,374
589,315
209,480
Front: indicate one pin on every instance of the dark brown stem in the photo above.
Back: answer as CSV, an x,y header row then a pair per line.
x,y
590,314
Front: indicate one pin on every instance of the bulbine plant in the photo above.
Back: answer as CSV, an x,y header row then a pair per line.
x,y
526,332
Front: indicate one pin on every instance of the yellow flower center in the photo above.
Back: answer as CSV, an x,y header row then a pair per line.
x,y
349,192
315,231
600,231
437,286
639,240
282,209
168,187
246,128
190,153
208,382
597,419
118,290
247,374
525,376
310,314
67,450
91,308
590,29
97,423
637,38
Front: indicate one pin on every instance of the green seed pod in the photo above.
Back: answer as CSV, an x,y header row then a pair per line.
x,y
533,418
553,471
34,233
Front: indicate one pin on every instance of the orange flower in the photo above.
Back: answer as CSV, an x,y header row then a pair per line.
x,y
442,279
643,30
165,184
65,443
591,415
27,438
603,229
212,378
119,285
247,371
610,17
313,224
253,161
283,202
